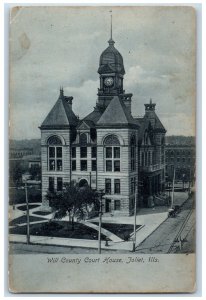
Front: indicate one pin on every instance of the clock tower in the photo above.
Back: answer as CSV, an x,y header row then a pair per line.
x,y
111,71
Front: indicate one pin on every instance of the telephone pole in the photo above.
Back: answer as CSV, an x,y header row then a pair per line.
x,y
135,213
100,194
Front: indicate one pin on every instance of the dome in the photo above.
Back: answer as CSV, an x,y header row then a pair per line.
x,y
111,60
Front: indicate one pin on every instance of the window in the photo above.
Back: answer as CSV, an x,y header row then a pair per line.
x,y
142,159
73,152
83,152
55,154
132,185
117,186
74,167
94,165
108,186
117,204
133,153
183,159
83,139
59,184
117,166
112,154
108,165
51,184
94,152
94,155
83,165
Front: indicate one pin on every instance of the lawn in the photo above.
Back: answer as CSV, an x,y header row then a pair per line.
x,y
60,229
123,231
23,207
41,213
23,219
17,196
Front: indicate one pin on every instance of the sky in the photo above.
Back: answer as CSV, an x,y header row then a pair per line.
x,y
60,46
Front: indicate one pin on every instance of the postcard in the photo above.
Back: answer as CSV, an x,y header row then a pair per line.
x,y
102,150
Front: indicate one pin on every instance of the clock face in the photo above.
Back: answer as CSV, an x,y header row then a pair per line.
x,y
108,81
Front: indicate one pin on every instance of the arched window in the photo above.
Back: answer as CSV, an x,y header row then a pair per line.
x,y
112,153
133,153
54,153
54,140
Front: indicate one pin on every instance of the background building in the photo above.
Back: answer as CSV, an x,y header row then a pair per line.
x,y
182,157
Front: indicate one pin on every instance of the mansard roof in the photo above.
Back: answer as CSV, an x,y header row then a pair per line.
x,y
61,115
116,114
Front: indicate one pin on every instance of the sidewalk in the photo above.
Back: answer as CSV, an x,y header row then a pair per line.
x,y
148,218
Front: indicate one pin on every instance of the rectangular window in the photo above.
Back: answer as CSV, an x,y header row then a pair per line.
x,y
73,152
59,165
51,184
51,152
116,152
117,186
83,152
59,152
94,165
108,152
59,184
51,165
108,186
83,165
132,185
74,165
109,165
117,166
94,152
117,204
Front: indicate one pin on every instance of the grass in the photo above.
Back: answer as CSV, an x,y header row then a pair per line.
x,y
123,231
41,213
23,219
17,196
23,207
60,229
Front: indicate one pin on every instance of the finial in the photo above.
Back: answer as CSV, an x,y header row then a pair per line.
x,y
150,100
111,23
61,91
111,42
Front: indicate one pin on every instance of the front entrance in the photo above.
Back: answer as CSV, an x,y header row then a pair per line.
x,y
107,205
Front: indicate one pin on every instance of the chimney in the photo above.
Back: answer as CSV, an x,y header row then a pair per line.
x,y
69,100
127,99
149,112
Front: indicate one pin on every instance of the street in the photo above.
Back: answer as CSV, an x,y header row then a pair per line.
x,y
161,240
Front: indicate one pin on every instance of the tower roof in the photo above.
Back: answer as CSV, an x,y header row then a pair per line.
x,y
61,115
111,58
116,114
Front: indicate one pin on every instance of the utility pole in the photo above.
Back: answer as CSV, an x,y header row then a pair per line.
x,y
27,214
135,213
173,187
101,193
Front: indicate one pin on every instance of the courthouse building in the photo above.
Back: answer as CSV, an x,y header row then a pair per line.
x,y
109,148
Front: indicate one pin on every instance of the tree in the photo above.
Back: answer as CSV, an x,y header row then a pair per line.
x,y
73,201
35,171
